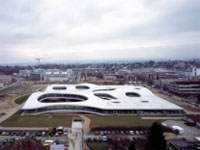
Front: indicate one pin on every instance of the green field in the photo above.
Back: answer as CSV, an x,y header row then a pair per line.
x,y
98,145
99,121
37,121
65,120
22,99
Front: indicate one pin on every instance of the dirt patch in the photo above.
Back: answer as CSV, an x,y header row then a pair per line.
x,y
8,107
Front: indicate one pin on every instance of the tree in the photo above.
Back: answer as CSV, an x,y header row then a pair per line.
x,y
132,146
155,138
198,97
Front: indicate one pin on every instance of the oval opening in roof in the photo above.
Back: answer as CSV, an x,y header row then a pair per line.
x,y
82,87
99,90
105,96
59,88
132,94
116,102
144,101
59,98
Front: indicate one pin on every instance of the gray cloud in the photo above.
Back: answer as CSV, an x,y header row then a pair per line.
x,y
114,29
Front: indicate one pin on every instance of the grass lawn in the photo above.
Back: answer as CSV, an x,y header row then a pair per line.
x,y
98,145
64,120
99,121
36,121
22,99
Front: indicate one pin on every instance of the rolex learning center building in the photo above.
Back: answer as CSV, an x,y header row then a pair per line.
x,y
99,100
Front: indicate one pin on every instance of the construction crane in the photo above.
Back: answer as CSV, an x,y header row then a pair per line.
x,y
38,60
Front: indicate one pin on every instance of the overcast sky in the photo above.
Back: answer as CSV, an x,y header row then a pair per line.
x,y
64,30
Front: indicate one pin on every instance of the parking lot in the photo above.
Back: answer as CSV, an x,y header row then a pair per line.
x,y
46,137
189,131
119,135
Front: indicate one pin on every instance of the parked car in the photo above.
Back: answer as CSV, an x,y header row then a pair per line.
x,y
18,133
131,132
96,133
47,134
33,134
47,141
12,133
101,133
43,133
7,133
16,139
51,134
22,133
126,132
3,133
141,132
11,140
108,132
105,138
27,134
57,141
38,133
100,138
137,132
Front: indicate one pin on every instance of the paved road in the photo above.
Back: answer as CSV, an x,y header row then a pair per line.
x,y
9,86
76,136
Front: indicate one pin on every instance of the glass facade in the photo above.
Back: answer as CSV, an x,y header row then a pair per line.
x,y
55,98
89,110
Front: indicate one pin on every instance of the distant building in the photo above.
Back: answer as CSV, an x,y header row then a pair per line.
x,y
24,73
50,75
58,76
35,76
185,88
5,79
196,72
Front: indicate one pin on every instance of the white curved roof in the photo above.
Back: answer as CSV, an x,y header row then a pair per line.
x,y
146,101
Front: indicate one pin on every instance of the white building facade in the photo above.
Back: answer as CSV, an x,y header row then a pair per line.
x,y
101,100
